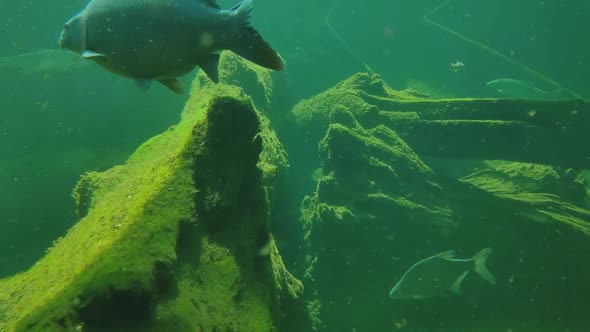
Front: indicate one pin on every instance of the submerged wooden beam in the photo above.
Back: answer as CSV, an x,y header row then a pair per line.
x,y
544,132
554,133
170,241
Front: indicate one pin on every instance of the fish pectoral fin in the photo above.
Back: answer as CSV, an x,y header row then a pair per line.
x,y
143,84
87,54
173,84
456,287
210,67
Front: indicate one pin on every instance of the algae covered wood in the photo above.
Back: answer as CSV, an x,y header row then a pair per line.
x,y
399,177
548,132
170,240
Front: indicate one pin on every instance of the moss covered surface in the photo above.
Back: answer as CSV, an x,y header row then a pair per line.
x,y
380,202
466,128
375,198
170,240
540,193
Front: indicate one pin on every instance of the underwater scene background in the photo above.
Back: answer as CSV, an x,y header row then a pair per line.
x,y
382,143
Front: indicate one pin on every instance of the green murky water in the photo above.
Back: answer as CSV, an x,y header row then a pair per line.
x,y
416,156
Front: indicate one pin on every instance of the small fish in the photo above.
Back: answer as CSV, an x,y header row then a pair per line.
x,y
457,66
162,40
439,275
511,88
40,63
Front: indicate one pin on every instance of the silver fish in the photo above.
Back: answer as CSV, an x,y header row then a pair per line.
x,y
439,275
511,88
40,63
164,39
457,66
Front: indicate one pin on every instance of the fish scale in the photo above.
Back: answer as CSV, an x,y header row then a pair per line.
x,y
145,25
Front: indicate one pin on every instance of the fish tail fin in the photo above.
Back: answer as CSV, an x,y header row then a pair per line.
x,y
480,265
248,42
243,12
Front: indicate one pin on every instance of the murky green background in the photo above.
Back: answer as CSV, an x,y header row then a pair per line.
x,y
56,124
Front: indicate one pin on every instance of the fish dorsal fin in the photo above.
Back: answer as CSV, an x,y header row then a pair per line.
x,y
211,3
456,287
446,255
529,83
143,84
210,65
